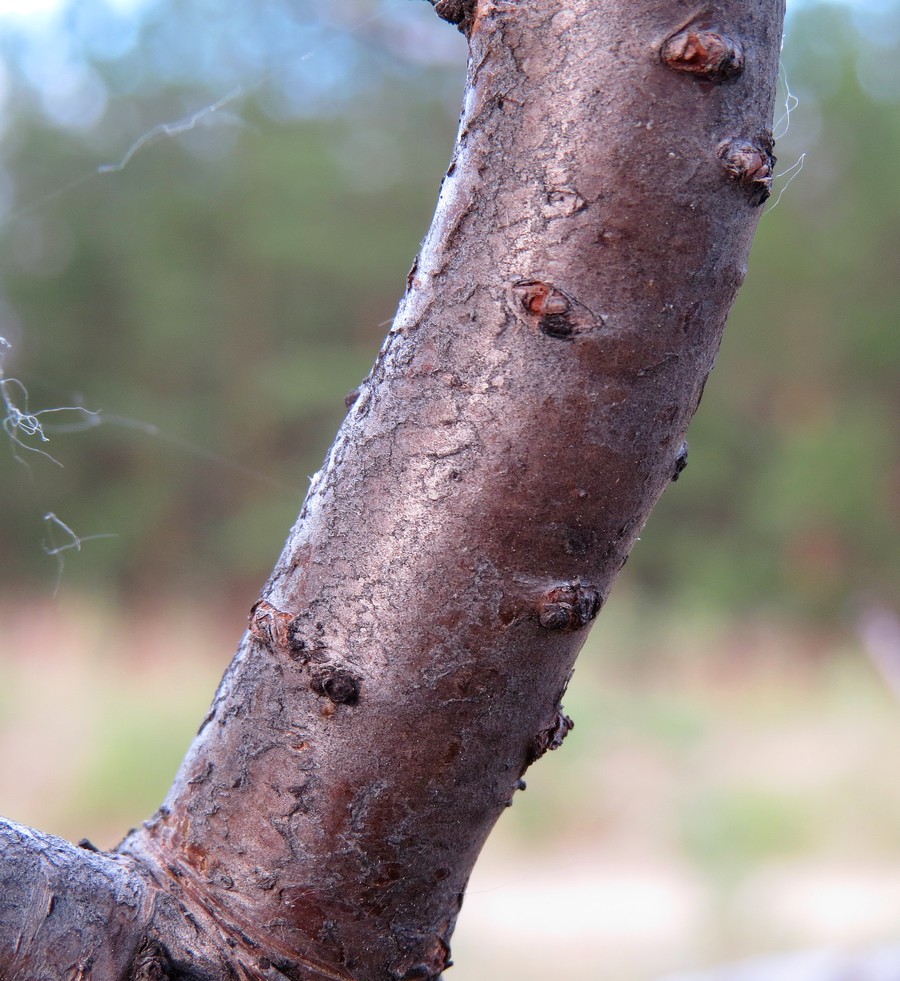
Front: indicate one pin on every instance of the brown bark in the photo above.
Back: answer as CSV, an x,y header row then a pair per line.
x,y
407,659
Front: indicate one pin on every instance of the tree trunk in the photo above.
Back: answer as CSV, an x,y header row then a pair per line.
x,y
406,661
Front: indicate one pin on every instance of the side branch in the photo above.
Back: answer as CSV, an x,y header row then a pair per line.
x,y
66,908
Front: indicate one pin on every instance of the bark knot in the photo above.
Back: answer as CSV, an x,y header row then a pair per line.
x,y
459,12
151,963
337,685
562,202
751,164
549,308
546,304
277,630
703,54
568,607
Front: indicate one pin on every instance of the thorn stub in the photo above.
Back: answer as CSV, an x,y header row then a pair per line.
x,y
681,461
750,164
518,785
550,738
703,54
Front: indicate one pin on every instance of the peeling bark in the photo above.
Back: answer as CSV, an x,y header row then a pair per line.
x,y
407,660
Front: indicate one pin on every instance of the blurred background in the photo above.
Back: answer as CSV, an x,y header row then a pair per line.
x,y
207,211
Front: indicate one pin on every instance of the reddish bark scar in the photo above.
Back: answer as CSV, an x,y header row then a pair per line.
x,y
548,304
704,54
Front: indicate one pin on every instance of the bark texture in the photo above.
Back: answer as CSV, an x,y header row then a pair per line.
x,y
407,660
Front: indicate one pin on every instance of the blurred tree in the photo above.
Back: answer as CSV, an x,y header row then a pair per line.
x,y
171,293
255,254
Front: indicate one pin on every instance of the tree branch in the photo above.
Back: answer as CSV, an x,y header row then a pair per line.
x,y
407,659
